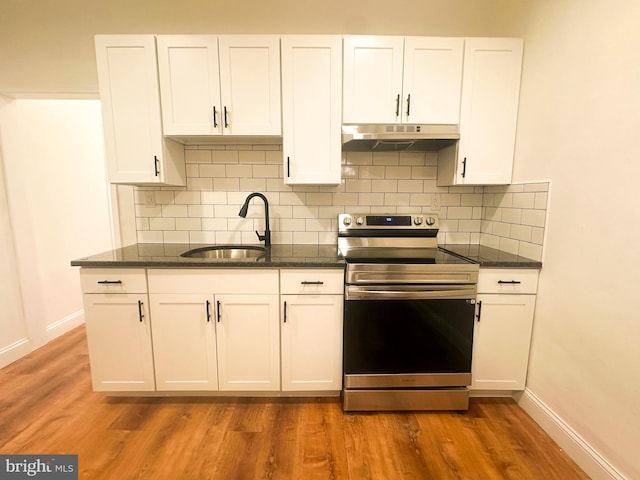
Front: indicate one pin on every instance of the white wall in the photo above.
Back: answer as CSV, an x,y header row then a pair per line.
x,y
58,207
13,328
579,125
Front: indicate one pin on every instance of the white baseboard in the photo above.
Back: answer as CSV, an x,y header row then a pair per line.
x,y
587,458
15,351
64,325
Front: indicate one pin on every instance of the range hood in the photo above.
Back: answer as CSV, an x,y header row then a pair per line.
x,y
391,138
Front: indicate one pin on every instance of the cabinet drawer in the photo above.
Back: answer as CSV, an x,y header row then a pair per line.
x,y
113,280
314,281
506,280
214,281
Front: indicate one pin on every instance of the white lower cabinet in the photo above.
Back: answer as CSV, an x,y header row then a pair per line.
x,y
248,342
311,329
118,329
502,332
214,329
312,342
184,341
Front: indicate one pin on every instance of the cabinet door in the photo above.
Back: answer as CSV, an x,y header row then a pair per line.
x,y
489,110
311,342
432,80
189,84
311,103
135,150
250,84
248,342
184,346
501,342
119,338
372,79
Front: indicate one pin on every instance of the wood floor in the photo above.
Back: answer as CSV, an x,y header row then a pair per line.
x,y
47,406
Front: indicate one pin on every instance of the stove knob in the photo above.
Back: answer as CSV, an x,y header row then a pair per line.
x,y
359,221
346,221
417,221
431,221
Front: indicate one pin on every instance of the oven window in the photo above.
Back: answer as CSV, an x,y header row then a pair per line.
x,y
408,336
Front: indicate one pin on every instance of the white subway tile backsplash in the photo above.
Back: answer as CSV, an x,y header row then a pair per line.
x,y
202,183
175,237
175,211
523,200
197,156
228,184
188,224
224,156
219,178
398,172
535,218
200,210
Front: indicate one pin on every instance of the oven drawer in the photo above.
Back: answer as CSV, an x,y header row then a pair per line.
x,y
313,281
398,400
507,280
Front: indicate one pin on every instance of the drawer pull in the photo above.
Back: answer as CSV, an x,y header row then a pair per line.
x,y
110,282
317,282
509,282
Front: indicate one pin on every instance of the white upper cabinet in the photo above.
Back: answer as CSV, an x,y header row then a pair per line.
x,y
488,114
190,84
220,85
135,149
391,79
311,108
432,80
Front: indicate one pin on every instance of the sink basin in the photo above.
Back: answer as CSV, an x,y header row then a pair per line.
x,y
226,251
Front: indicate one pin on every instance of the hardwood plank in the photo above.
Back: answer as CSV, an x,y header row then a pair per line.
x,y
47,406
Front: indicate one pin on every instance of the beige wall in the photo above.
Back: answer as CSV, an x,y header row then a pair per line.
x,y
48,46
578,126
58,210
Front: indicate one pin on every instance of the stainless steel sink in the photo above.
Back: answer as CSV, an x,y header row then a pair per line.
x,y
237,252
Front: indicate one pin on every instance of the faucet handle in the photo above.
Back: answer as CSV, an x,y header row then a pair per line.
x,y
261,237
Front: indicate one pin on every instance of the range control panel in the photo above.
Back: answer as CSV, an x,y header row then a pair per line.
x,y
350,221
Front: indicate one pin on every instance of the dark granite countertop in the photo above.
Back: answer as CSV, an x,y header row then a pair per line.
x,y
158,255
490,257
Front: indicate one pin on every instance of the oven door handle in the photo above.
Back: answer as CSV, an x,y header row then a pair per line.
x,y
353,292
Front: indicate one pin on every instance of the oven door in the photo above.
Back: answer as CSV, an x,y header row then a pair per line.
x,y
408,336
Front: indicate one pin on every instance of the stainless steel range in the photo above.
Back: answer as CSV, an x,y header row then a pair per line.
x,y
409,314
